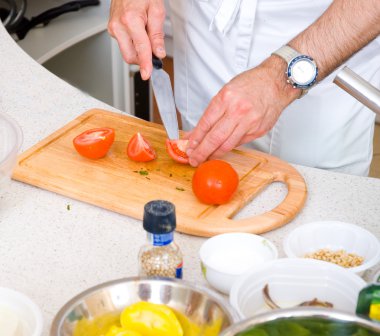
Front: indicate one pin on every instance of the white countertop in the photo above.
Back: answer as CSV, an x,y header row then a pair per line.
x,y
51,253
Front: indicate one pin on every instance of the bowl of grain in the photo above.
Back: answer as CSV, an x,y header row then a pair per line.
x,y
344,244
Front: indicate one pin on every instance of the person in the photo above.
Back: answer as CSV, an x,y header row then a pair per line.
x,y
231,74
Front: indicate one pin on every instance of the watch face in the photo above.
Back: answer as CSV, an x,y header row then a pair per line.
x,y
302,71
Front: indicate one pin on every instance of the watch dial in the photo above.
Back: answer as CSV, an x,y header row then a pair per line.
x,y
303,72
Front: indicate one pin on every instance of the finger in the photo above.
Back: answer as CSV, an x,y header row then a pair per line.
x,y
155,26
126,47
211,116
251,136
141,42
231,142
216,137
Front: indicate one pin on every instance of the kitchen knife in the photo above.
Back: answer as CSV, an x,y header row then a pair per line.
x,y
163,92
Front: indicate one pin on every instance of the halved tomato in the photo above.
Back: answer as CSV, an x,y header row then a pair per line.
x,y
139,149
94,143
176,149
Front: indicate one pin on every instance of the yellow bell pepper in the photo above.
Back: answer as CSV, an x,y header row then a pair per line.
x,y
97,326
151,319
117,331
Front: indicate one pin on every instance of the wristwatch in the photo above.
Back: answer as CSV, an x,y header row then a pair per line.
x,y
302,71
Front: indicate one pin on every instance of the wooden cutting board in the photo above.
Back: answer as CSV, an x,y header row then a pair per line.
x,y
119,184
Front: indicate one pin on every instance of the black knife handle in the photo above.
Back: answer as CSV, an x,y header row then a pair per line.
x,y
157,63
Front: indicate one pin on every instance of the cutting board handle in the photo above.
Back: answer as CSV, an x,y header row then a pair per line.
x,y
277,217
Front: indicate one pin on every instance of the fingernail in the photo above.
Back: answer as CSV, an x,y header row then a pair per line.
x,y
144,74
161,51
193,163
192,144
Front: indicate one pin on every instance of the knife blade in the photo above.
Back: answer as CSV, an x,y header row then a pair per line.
x,y
163,92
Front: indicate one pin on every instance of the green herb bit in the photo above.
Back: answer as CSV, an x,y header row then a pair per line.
x,y
143,172
68,207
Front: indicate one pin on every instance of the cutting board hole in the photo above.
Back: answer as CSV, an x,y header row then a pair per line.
x,y
275,192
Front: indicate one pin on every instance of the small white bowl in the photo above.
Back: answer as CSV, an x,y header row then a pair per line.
x,y
293,281
334,235
19,307
225,257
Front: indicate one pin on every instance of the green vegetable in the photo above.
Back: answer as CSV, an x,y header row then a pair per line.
x,y
307,327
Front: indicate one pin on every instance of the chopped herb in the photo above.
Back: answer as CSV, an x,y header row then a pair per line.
x,y
135,171
170,174
180,189
147,177
143,172
68,207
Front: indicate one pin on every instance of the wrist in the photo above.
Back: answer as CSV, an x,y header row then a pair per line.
x,y
277,67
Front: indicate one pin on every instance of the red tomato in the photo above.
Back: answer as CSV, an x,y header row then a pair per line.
x,y
214,182
139,149
94,143
176,150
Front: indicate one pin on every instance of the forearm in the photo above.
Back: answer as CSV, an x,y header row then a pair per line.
x,y
344,28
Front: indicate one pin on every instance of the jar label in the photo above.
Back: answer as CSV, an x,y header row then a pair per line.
x,y
178,271
160,239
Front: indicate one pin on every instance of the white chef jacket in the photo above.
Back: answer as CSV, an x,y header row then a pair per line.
x,y
214,40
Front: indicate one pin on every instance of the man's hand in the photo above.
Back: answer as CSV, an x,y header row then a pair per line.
x,y
137,25
246,108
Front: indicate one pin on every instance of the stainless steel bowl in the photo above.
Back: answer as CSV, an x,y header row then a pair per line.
x,y
198,304
339,323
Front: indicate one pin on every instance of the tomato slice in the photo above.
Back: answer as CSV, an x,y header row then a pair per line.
x,y
176,150
94,143
139,149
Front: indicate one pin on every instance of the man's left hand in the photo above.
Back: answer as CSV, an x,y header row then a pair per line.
x,y
246,108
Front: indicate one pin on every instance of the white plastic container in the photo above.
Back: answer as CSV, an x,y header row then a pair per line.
x,y
293,281
10,143
225,257
20,311
334,235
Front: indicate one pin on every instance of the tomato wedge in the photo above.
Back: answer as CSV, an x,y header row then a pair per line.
x,y
139,149
94,143
176,150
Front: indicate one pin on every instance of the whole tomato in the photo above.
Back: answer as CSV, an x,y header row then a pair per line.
x,y
214,182
94,143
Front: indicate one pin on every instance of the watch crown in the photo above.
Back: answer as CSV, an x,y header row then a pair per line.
x,y
288,81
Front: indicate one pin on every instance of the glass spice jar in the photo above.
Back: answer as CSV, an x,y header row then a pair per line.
x,y
160,256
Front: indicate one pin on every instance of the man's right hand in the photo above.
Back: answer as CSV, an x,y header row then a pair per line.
x,y
138,27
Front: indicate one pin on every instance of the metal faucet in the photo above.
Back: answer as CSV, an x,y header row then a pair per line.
x,y
359,88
